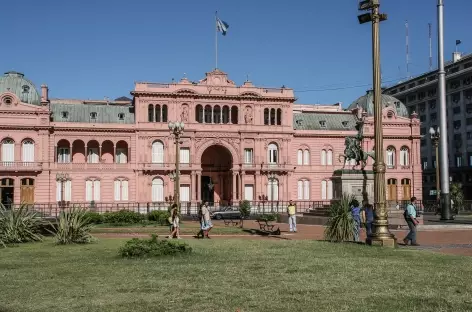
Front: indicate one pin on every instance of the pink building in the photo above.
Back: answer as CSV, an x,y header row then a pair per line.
x,y
240,142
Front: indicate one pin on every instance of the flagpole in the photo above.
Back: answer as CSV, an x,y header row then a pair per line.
x,y
216,39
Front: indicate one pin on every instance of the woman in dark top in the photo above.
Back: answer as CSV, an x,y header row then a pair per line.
x,y
356,215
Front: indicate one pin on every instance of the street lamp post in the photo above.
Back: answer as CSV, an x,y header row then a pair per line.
x,y
444,160
435,135
382,235
63,178
176,128
272,178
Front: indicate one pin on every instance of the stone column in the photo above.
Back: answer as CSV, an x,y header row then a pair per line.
x,y
221,115
193,186
199,186
212,112
100,153
241,194
234,197
114,153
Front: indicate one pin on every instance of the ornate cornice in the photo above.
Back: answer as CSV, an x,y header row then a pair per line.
x,y
211,96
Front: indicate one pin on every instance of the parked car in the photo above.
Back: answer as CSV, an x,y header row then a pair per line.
x,y
227,213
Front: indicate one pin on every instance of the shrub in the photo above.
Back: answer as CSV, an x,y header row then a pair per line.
x,y
122,217
143,248
267,217
161,217
73,227
94,217
340,225
19,226
245,208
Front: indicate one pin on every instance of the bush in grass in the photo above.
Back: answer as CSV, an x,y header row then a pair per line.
x,y
145,248
123,217
161,217
340,226
20,225
94,217
73,227
267,217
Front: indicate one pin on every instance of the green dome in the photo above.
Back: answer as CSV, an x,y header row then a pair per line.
x,y
23,88
366,102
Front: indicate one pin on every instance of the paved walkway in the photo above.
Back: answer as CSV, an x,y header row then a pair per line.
x,y
450,241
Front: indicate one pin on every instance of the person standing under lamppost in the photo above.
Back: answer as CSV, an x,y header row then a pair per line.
x,y
292,218
410,218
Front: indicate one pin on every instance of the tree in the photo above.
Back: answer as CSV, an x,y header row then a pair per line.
x,y
245,209
457,196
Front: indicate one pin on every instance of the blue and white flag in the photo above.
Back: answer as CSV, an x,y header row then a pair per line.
x,y
221,26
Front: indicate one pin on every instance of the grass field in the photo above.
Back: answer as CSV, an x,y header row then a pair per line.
x,y
185,228
226,275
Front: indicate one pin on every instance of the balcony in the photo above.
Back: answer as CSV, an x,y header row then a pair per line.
x,y
16,166
159,166
275,167
92,166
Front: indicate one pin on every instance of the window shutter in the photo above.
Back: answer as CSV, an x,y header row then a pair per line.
x,y
8,152
68,190
306,189
300,157
323,189
117,188
306,157
249,192
323,157
96,190
58,190
300,189
124,190
157,152
88,190
184,193
330,158
330,189
185,155
28,152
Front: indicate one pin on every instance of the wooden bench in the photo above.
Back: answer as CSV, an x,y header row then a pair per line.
x,y
264,225
232,222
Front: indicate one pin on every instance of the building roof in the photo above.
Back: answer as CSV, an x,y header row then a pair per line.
x,y
324,121
123,114
24,89
366,102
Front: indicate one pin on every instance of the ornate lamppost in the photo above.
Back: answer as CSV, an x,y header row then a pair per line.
x,y
435,135
176,129
62,178
382,235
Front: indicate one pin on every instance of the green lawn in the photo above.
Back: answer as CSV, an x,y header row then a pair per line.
x,y
185,228
226,275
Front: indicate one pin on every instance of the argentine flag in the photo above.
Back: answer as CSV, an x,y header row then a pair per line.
x,y
221,26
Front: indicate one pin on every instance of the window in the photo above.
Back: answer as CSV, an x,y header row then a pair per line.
x,y
63,190
150,113
272,154
249,192
63,155
8,151
164,113
432,92
225,114
404,156
199,114
266,116
28,151
234,115
421,95
329,158
423,131
423,118
457,124
217,114
326,190
157,190
93,115
248,155
121,155
121,190
208,114
65,115
184,193
412,98
121,116
273,189
185,155
433,117
279,116
306,157
92,155
345,124
456,110
432,104
459,161
272,116
323,157
92,190
158,113
456,98
303,189
157,152
322,123
300,157
390,157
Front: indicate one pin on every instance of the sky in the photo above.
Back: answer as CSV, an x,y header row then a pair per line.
x,y
95,49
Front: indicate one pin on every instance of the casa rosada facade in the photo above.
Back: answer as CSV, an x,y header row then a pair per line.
x,y
239,142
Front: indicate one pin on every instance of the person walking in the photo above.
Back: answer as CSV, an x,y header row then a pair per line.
x,y
206,220
292,218
368,217
410,218
356,215
175,222
200,219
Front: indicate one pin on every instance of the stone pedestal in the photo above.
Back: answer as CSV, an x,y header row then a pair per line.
x,y
359,183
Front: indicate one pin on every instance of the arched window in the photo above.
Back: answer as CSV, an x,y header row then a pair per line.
x,y
27,151
303,189
207,114
158,113
199,114
390,157
273,189
164,113
92,190
279,116
266,116
300,157
272,116
306,157
157,190
329,157
157,152
8,151
217,114
121,190
234,115
150,113
225,114
323,157
404,156
272,157
326,190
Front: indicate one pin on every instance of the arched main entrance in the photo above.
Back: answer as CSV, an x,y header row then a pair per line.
x,y
216,182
